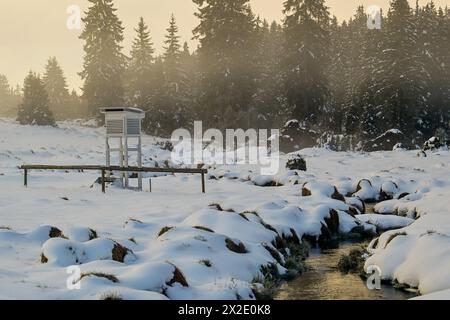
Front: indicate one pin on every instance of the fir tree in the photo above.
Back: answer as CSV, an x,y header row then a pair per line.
x,y
9,97
159,121
56,86
400,88
444,54
140,68
76,105
306,59
172,53
361,119
170,105
34,108
226,62
104,62
432,52
269,107
5,89
337,70
361,50
189,71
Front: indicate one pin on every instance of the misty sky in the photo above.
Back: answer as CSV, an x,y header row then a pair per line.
x,y
33,30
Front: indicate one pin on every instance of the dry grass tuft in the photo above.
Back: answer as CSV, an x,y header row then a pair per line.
x,y
56,233
119,252
206,263
109,277
164,230
237,248
178,277
110,296
204,229
44,259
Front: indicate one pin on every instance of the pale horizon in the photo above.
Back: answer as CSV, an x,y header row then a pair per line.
x,y
36,29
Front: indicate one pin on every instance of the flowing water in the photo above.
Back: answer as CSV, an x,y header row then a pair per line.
x,y
323,281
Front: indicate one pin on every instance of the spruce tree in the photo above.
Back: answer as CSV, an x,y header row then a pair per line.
x,y
444,36
78,109
104,62
9,97
306,58
5,89
338,71
226,62
269,105
172,54
139,75
401,88
34,109
361,51
56,86
170,101
365,109
154,122
189,71
188,65
432,52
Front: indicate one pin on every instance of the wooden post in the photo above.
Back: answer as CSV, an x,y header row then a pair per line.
x,y
108,156
25,177
127,175
203,183
150,184
121,157
140,163
103,182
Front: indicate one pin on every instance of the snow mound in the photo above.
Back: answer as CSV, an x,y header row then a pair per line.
x,y
64,253
420,262
385,222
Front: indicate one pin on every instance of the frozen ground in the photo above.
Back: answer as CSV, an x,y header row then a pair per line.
x,y
177,243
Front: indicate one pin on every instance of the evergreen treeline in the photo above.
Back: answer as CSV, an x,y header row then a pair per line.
x,y
35,106
334,78
9,97
42,100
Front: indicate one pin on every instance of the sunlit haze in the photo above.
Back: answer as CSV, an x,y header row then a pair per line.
x,y
33,30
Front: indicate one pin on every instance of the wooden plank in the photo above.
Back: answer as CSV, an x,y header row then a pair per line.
x,y
157,170
58,167
112,168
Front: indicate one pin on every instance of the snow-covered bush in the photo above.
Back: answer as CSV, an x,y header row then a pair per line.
x,y
296,162
385,142
433,143
294,136
399,147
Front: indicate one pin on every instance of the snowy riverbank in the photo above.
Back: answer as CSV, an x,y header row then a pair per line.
x,y
179,244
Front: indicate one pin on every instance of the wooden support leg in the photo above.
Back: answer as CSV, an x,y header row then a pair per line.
x,y
103,182
140,163
203,183
25,177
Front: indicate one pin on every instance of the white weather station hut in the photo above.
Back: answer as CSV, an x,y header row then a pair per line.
x,y
123,136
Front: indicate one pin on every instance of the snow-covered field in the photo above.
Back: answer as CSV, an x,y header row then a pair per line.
x,y
178,243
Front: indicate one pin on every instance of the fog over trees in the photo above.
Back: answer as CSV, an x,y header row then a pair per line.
x,y
334,78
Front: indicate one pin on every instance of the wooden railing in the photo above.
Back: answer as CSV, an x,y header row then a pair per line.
x,y
104,169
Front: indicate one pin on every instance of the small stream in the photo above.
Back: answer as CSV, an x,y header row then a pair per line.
x,y
323,281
